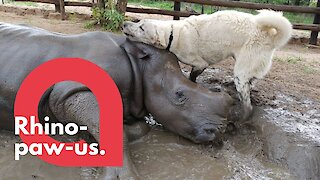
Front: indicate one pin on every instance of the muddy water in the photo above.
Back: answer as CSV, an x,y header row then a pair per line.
x,y
160,155
304,122
28,167
163,155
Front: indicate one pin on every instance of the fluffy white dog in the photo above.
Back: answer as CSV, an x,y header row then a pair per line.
x,y
203,40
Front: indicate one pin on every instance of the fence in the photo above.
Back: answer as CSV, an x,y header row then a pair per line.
x,y
60,5
177,13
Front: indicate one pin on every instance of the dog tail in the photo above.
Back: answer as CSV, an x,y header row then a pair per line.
x,y
278,27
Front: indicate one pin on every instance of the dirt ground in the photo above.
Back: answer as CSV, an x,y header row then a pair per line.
x,y
291,89
295,71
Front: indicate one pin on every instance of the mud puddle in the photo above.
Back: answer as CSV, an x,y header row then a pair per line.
x,y
159,155
162,155
276,147
305,123
30,167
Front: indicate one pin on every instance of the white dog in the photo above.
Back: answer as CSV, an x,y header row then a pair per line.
x,y
203,40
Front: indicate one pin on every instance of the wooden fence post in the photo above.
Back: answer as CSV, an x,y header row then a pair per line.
x,y
314,34
121,6
62,10
57,6
177,7
101,4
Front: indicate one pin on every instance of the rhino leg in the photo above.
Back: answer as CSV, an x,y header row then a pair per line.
x,y
131,132
82,108
128,171
136,130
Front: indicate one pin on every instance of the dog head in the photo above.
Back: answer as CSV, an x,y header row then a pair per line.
x,y
152,32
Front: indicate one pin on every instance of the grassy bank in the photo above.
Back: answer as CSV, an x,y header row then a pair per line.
x,y
168,5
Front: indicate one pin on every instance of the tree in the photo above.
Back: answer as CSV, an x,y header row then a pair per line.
x,y
101,4
121,6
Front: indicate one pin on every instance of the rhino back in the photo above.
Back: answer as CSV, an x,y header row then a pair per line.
x,y
24,48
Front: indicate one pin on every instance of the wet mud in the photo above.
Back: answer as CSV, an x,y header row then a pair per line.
x,y
28,167
277,143
282,140
161,155
287,121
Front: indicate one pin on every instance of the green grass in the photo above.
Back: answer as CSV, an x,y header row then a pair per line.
x,y
168,5
289,59
293,59
19,3
308,70
89,24
298,62
299,18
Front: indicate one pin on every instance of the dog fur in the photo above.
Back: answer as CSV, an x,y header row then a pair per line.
x,y
203,40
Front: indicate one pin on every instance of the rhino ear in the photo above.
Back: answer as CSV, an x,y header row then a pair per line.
x,y
143,55
137,108
134,51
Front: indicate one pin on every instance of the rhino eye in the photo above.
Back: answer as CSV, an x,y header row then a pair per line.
x,y
180,96
141,28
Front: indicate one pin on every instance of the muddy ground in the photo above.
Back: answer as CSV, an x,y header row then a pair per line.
x,y
281,142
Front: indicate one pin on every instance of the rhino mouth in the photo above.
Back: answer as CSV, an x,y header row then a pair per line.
x,y
207,133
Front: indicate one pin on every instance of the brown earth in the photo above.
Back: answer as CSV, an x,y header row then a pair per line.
x,y
295,71
292,85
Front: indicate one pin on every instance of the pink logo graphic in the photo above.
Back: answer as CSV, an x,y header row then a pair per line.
x,y
108,98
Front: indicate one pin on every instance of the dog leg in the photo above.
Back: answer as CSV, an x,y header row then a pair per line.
x,y
195,72
198,65
243,88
